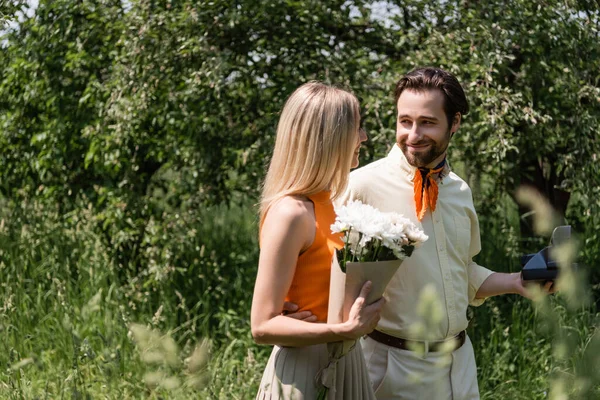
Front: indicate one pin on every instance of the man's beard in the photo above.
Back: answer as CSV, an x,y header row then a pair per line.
x,y
423,159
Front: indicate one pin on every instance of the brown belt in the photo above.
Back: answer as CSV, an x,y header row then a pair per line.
x,y
416,345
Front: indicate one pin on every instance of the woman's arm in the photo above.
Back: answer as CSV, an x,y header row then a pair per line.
x,y
287,229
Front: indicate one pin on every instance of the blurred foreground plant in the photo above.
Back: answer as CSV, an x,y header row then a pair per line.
x,y
162,355
576,372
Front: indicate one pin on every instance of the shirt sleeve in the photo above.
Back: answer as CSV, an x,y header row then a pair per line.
x,y
351,192
476,273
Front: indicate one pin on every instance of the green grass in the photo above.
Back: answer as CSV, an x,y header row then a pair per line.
x,y
66,316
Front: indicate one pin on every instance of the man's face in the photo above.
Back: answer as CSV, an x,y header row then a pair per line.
x,y
422,130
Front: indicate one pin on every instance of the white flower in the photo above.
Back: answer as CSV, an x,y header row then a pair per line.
x,y
368,232
339,226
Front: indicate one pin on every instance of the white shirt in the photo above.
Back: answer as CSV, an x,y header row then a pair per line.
x,y
445,260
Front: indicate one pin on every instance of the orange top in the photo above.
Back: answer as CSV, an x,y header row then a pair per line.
x,y
310,285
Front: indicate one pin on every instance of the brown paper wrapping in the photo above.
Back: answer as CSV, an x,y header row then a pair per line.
x,y
344,288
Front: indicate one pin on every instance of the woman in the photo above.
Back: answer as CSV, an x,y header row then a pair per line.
x,y
318,141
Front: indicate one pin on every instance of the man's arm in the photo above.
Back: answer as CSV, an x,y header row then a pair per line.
x,y
500,283
484,283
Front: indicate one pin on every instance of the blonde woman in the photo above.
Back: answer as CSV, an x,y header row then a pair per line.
x,y
318,141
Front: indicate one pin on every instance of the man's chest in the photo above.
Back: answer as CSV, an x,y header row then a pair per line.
x,y
449,227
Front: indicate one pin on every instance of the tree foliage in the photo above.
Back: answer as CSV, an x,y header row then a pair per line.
x,y
146,109
8,11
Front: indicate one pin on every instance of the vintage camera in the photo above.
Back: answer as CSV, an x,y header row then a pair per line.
x,y
541,266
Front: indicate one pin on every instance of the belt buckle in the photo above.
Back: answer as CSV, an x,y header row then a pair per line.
x,y
448,345
419,347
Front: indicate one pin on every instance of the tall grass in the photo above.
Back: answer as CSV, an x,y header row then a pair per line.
x,y
540,349
73,327
67,314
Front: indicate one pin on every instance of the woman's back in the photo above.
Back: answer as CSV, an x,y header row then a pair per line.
x,y
310,285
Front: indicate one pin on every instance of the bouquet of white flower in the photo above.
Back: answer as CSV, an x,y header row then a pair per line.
x,y
372,235
375,243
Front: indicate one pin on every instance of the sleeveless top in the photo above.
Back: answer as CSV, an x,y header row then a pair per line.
x,y
310,285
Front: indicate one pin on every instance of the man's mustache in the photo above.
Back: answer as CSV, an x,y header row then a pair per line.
x,y
421,143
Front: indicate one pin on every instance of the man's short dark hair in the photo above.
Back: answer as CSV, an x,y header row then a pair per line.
x,y
428,78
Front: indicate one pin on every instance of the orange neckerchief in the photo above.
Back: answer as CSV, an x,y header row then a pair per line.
x,y
426,188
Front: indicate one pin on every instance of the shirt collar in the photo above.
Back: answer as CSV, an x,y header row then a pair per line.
x,y
398,160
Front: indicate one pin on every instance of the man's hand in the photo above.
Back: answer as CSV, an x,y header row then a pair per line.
x,y
289,310
502,283
524,288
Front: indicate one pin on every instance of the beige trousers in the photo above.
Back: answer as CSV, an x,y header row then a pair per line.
x,y
401,374
291,374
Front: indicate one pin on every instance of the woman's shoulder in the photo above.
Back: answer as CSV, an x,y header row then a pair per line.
x,y
291,217
292,208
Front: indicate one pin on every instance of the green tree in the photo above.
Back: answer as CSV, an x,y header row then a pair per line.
x,y
8,10
53,65
530,70
153,111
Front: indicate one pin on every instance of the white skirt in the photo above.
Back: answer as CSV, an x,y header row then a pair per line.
x,y
292,373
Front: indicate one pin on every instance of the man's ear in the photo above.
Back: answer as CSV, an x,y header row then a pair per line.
x,y
455,124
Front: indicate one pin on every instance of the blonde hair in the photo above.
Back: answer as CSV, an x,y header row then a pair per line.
x,y
316,136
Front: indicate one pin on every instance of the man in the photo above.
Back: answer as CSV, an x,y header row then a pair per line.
x,y
415,180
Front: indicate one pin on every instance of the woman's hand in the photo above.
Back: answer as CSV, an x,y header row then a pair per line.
x,y
363,318
290,310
